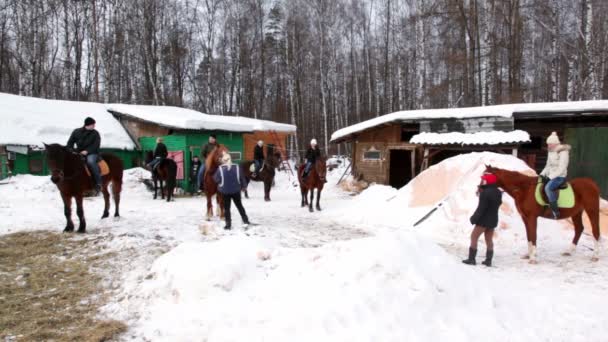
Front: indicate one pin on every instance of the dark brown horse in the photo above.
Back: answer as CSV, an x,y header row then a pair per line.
x,y
314,180
266,173
166,171
213,161
68,172
522,188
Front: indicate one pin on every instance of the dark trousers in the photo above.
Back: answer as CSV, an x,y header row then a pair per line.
x,y
228,198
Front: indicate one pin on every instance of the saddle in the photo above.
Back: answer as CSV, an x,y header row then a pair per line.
x,y
252,167
103,167
565,195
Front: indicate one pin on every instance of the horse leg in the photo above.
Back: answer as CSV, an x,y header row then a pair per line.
x,y
67,211
318,199
532,223
267,184
155,187
593,212
116,189
80,212
304,195
162,190
312,198
220,204
577,219
169,191
209,205
106,201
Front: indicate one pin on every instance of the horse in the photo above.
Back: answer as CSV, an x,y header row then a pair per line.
x,y
522,188
166,171
314,180
212,163
69,173
265,174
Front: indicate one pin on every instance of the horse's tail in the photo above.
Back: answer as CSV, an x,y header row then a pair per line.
x,y
172,173
116,170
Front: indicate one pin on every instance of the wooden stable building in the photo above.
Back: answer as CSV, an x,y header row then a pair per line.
x,y
394,148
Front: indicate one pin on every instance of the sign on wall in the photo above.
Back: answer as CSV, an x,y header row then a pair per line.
x,y
178,158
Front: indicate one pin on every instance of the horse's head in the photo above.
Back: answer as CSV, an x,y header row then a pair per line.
x,y
321,168
56,158
214,159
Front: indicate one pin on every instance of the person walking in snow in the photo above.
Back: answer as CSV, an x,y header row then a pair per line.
x,y
231,182
485,218
312,154
555,171
207,148
87,141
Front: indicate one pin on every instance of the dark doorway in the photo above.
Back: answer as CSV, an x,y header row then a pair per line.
x,y
400,168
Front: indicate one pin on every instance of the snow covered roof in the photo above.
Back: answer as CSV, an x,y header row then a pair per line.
x,y
183,118
32,121
506,111
478,138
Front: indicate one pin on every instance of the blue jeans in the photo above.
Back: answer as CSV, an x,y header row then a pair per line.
x,y
199,176
153,163
258,164
307,167
552,186
92,163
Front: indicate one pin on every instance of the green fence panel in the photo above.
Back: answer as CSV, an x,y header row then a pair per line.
x,y
589,155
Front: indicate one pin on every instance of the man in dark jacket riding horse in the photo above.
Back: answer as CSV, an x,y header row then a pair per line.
x,y
87,142
160,153
258,157
312,154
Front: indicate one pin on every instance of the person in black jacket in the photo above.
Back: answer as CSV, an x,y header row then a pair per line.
x,y
160,153
258,157
231,181
312,154
87,141
485,218
194,167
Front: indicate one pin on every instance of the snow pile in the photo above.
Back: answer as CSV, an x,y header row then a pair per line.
x,y
32,121
409,289
184,118
478,138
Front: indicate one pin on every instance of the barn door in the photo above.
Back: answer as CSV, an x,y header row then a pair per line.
x,y
589,156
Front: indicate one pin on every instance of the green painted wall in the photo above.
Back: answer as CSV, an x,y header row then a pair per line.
x,y
191,143
589,156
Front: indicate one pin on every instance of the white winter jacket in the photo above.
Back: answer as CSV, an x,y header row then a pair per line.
x,y
557,162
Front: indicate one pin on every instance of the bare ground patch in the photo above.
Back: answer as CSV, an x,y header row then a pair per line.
x,y
49,289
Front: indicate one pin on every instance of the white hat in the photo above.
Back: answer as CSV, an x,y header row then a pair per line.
x,y
226,159
260,142
553,139
313,142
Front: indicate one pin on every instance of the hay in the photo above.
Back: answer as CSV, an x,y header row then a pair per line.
x,y
354,186
49,291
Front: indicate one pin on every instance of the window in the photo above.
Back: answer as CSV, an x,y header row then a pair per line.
x,y
371,155
235,155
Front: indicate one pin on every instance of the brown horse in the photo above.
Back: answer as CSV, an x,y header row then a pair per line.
x,y
213,161
522,188
314,180
266,174
69,173
166,171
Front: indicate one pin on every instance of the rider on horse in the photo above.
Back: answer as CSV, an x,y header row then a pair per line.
x,y
312,154
160,153
485,218
87,142
258,157
205,152
556,170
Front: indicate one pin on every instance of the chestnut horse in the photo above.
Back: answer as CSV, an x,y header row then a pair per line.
x,y
522,188
314,180
69,173
265,175
166,171
213,161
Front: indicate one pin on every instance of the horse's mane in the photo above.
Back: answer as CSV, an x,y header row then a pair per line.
x,y
212,157
512,177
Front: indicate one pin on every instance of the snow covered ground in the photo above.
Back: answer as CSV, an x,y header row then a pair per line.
x,y
355,271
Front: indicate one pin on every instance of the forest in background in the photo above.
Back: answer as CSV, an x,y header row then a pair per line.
x,y
319,64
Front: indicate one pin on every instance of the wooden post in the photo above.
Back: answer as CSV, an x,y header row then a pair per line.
x,y
425,160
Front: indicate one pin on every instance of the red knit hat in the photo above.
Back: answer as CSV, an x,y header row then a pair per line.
x,y
490,178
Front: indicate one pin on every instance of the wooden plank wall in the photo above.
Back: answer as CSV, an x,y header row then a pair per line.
x,y
138,129
379,139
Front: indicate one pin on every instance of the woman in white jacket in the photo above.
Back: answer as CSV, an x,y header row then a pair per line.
x,y
556,170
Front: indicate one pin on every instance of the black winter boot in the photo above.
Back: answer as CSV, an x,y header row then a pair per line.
x,y
554,209
228,226
472,255
488,261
